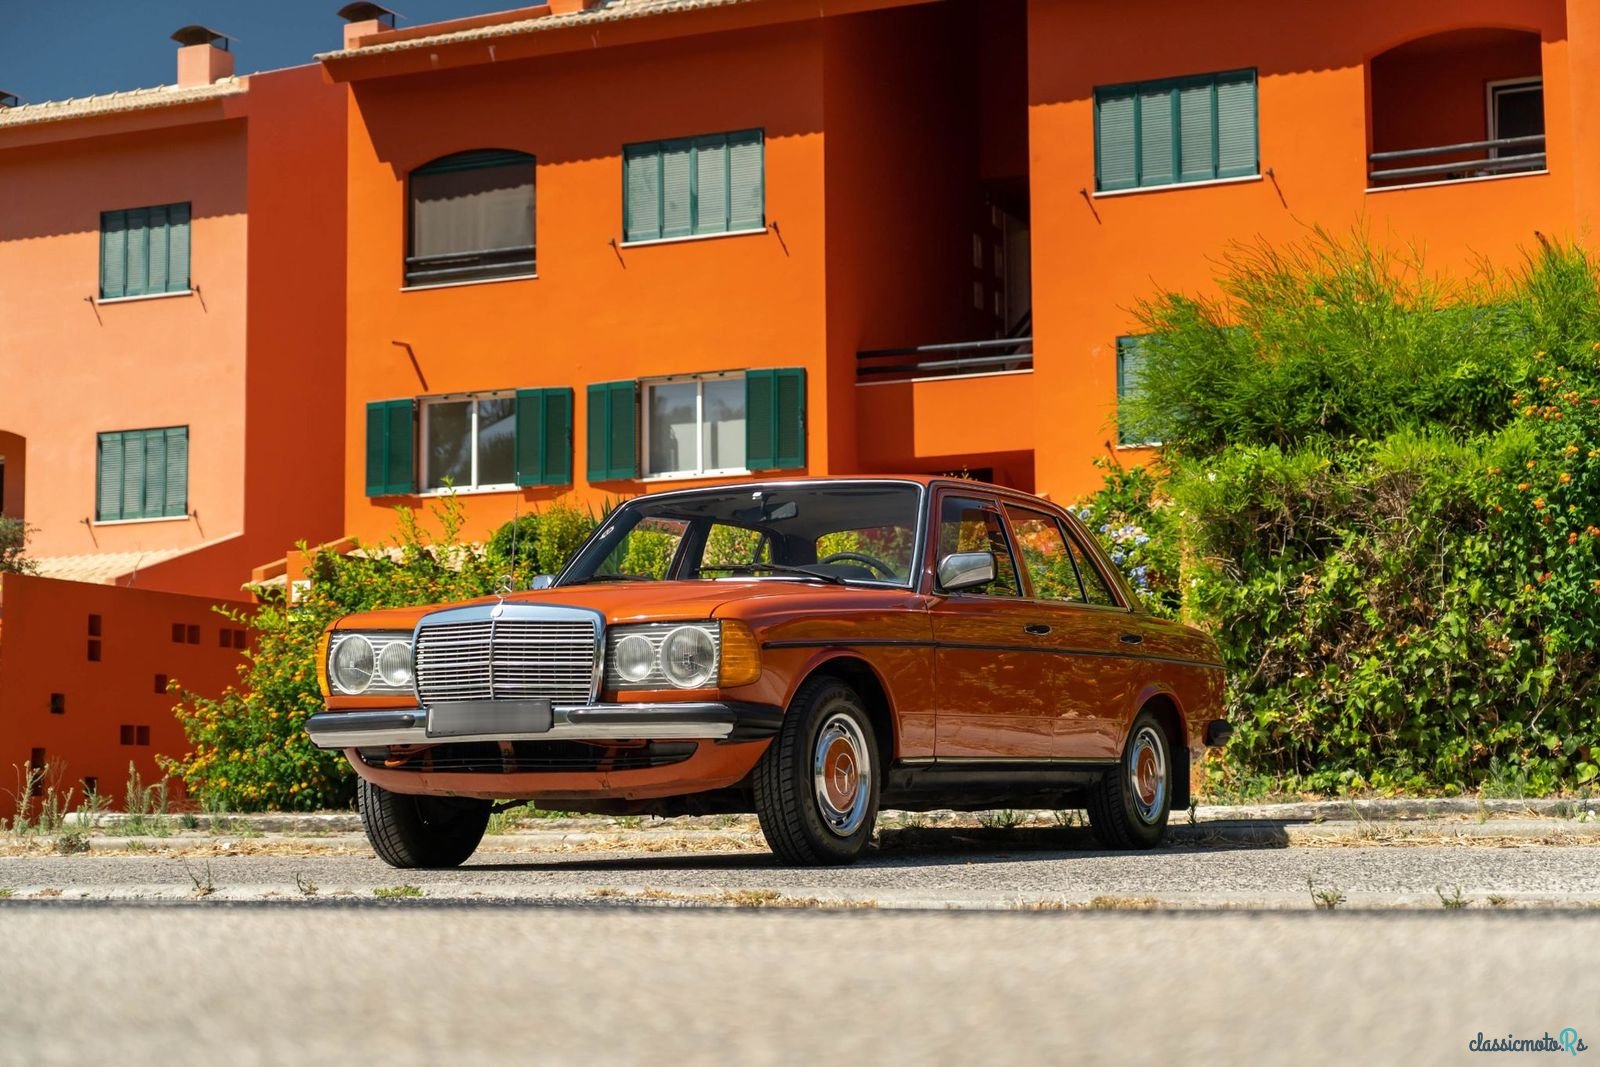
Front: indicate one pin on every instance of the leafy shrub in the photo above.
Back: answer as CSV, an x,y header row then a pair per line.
x,y
1133,517
1387,510
13,543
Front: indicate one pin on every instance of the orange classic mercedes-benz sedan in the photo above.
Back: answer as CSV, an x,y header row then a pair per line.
x,y
809,651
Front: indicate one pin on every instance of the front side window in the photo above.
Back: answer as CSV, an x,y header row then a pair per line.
x,y
472,218
695,426
971,525
144,251
142,474
1190,129
469,442
697,185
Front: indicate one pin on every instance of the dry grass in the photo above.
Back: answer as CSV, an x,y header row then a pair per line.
x,y
726,898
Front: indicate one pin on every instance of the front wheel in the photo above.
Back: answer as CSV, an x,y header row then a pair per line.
x,y
412,831
816,787
1129,807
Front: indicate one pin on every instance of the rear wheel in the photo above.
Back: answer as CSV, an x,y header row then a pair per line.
x,y
1129,807
816,787
413,831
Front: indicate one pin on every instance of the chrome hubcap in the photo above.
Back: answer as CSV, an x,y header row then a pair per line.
x,y
1147,770
841,775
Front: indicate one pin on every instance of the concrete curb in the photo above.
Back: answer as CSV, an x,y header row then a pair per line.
x,y
1380,810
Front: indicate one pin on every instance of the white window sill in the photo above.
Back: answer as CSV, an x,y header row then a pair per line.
x,y
473,490
1172,186
137,522
474,281
689,476
103,300
693,237
1134,446
1459,181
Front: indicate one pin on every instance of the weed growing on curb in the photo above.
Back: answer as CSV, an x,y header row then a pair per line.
x,y
397,892
203,886
306,886
1498,901
146,807
6,892
1000,819
1326,899
1455,901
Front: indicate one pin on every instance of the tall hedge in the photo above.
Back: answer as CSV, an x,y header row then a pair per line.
x,y
1388,498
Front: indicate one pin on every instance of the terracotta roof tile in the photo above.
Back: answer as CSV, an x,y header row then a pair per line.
x,y
114,103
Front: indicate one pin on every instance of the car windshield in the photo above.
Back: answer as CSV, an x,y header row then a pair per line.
x,y
830,533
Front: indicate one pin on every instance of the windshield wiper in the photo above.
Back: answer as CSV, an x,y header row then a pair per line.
x,y
777,568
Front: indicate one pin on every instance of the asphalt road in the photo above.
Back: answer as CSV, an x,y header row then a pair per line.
x,y
424,983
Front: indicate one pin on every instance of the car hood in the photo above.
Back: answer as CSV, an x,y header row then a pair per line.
x,y
624,602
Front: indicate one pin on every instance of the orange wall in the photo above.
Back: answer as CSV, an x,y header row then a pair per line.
x,y
1094,260
44,636
595,313
73,369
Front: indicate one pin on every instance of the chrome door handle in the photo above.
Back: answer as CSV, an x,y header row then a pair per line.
x,y
1037,629
1133,639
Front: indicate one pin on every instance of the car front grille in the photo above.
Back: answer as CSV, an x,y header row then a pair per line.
x,y
544,757
506,659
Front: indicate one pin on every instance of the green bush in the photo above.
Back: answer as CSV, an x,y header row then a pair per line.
x,y
1387,510
13,543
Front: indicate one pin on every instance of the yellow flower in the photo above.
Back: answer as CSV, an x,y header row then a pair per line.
x,y
1565,478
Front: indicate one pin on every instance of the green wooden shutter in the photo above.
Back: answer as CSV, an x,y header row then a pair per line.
x,y
1157,158
113,254
747,206
1130,366
133,446
108,478
178,248
544,436
138,251
641,204
775,427
612,436
711,185
677,176
1196,137
175,475
391,453
1237,152
154,489
160,233
1115,139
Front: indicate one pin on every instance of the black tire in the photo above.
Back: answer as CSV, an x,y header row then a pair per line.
x,y
825,721
413,831
1123,813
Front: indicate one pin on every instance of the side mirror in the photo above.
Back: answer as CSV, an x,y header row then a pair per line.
x,y
965,570
542,581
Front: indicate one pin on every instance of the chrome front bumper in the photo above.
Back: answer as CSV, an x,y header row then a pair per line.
x,y
708,720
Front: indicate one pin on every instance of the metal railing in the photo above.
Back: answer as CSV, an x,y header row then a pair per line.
x,y
943,361
1491,163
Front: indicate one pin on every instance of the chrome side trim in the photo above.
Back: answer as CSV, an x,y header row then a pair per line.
x,y
697,721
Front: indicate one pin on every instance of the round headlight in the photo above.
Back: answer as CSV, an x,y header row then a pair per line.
x,y
394,664
635,658
689,657
353,662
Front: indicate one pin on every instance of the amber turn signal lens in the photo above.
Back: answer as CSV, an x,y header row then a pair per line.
x,y
322,663
741,656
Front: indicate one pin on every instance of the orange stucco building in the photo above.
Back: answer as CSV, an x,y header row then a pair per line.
x,y
590,248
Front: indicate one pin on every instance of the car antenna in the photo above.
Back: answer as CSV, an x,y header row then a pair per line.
x,y
508,584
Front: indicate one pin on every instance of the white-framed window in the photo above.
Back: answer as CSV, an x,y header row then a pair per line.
x,y
469,441
694,425
1516,109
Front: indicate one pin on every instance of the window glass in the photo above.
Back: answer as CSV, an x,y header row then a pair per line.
x,y
449,444
696,427
645,551
893,546
734,546
472,216
1095,587
497,441
1046,556
968,525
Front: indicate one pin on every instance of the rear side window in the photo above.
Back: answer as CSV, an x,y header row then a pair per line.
x,y
969,525
1045,555
1095,587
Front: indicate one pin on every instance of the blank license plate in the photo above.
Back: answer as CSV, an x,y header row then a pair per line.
x,y
495,718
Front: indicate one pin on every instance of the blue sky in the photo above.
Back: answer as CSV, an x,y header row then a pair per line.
x,y
53,49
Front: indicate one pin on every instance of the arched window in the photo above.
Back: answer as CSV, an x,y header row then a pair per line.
x,y
471,218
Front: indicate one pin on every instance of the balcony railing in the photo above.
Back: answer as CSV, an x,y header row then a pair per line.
x,y
1528,154
944,361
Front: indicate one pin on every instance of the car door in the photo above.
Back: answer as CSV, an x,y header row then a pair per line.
x,y
1074,611
987,668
